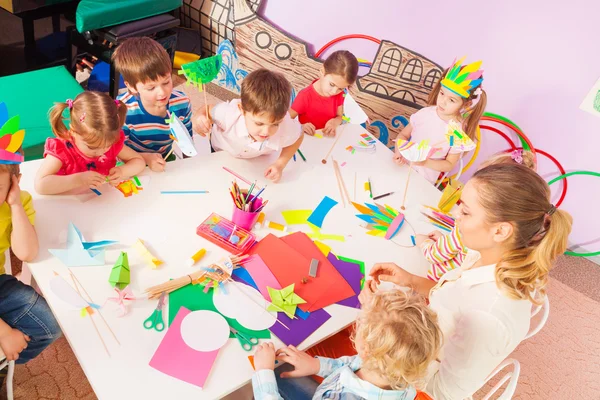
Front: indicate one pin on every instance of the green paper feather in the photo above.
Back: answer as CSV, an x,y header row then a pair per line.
x,y
10,126
202,71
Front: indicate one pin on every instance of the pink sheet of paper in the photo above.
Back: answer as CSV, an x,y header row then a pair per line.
x,y
261,274
175,358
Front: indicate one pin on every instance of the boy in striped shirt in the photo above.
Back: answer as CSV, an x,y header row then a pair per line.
x,y
146,68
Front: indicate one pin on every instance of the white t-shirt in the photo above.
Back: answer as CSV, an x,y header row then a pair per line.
x,y
229,133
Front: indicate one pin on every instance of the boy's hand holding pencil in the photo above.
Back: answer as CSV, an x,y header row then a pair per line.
x,y
202,124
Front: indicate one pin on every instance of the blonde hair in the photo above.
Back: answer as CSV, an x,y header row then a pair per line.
x,y
400,335
507,158
473,114
94,116
141,59
516,194
342,63
267,92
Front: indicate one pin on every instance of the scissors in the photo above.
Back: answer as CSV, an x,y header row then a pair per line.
x,y
247,342
156,319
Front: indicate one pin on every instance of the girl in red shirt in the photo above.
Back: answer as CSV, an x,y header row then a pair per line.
x,y
321,105
85,154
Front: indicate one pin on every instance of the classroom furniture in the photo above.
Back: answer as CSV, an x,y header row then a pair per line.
x,y
545,309
511,377
168,224
31,95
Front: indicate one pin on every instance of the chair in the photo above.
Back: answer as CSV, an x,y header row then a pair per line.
x,y
545,308
511,377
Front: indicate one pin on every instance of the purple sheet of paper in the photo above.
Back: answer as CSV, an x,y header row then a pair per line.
x,y
261,274
299,329
351,273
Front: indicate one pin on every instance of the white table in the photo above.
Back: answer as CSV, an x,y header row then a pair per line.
x,y
168,223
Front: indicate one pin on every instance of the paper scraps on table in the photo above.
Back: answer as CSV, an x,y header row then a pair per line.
x,y
67,294
80,253
361,265
316,234
194,298
300,328
296,217
382,220
188,349
120,274
150,259
352,274
319,214
284,300
323,247
319,134
122,296
246,305
353,113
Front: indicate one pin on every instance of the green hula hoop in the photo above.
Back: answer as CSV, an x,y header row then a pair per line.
x,y
518,129
568,174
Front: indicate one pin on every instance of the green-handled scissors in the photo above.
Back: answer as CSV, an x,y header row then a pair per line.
x,y
156,321
247,342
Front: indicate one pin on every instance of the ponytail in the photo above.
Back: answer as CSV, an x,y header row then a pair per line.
x,y
121,112
56,120
515,194
472,121
432,99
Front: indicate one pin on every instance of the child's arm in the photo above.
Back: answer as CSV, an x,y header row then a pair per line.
x,y
307,128
273,173
445,248
333,123
441,165
47,182
134,164
406,133
264,384
328,365
23,238
12,341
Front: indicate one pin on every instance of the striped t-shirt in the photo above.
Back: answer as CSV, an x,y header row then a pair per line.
x,y
146,133
445,254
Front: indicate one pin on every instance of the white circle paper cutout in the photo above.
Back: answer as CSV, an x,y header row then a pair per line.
x,y
246,305
204,330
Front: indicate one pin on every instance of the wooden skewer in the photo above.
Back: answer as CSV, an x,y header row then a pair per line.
x,y
339,173
170,152
259,305
324,161
337,177
207,114
91,301
355,185
91,319
406,188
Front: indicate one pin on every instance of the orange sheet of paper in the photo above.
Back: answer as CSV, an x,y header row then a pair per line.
x,y
289,261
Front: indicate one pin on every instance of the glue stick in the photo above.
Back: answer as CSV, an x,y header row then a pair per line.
x,y
275,225
260,220
196,257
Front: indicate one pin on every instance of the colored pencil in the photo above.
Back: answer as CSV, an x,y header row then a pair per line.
x,y
302,155
237,175
381,196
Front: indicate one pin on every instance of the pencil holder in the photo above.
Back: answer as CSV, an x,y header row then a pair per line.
x,y
247,219
450,195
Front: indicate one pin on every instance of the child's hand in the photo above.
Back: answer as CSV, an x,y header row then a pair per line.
x,y
14,194
435,235
264,357
92,179
309,129
419,239
331,126
115,176
398,159
273,173
13,343
304,365
366,294
155,161
202,123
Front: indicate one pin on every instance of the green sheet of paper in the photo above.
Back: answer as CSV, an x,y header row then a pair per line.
x,y
360,263
193,298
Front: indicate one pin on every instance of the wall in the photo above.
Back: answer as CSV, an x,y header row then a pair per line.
x,y
539,60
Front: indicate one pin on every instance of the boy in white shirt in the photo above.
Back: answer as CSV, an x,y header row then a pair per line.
x,y
256,124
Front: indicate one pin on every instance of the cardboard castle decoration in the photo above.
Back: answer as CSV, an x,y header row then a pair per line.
x,y
397,85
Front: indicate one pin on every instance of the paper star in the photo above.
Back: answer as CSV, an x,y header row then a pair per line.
x,y
284,300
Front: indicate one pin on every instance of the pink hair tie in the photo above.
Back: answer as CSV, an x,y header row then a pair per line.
x,y
69,104
117,102
517,156
82,118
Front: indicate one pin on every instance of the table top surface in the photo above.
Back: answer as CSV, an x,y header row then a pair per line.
x,y
168,224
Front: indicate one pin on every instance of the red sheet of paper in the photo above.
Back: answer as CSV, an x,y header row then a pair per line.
x,y
289,260
338,288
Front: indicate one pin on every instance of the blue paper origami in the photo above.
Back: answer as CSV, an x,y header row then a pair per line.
x,y
80,253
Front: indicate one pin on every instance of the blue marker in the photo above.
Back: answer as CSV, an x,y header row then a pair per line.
x,y
96,191
412,239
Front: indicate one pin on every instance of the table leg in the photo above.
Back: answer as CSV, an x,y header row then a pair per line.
x,y
29,38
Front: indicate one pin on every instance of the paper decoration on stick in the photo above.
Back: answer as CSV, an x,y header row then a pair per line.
x,y
413,151
11,137
80,253
284,300
66,293
382,221
353,113
120,274
150,259
181,136
457,138
188,349
202,71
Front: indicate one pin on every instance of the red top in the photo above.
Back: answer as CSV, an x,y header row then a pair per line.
x,y
316,109
74,161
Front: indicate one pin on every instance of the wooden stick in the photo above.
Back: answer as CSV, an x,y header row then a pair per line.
x,y
356,173
337,177
91,301
406,188
324,161
259,305
170,152
339,172
207,114
91,319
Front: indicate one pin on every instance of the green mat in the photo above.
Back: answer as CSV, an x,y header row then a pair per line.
x,y
30,95
193,298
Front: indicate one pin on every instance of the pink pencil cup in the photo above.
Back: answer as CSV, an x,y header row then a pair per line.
x,y
247,219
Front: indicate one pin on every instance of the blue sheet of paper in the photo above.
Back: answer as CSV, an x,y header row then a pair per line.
x,y
80,253
317,216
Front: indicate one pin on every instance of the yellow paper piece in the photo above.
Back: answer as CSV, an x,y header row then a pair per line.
x,y
144,252
323,247
296,217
